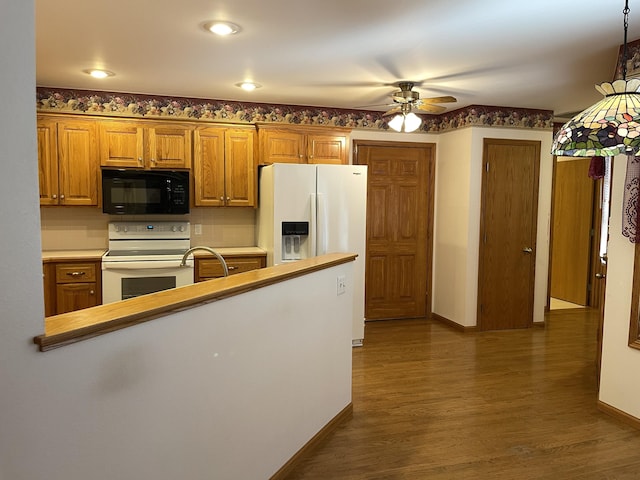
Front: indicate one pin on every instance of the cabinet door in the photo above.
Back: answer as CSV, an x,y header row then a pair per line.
x,y
281,146
240,169
78,162
327,149
208,166
207,268
75,296
49,283
169,146
48,161
121,144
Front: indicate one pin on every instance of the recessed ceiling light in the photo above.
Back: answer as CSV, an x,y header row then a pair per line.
x,y
98,73
222,28
248,86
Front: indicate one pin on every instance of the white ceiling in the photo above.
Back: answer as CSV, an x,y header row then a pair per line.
x,y
545,54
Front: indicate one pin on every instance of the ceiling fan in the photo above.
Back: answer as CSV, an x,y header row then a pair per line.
x,y
406,99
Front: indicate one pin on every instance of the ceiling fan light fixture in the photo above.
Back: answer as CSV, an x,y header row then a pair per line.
x,y
411,122
609,127
405,122
222,28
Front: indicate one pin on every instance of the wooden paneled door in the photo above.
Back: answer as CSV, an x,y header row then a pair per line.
x,y
572,226
509,212
399,228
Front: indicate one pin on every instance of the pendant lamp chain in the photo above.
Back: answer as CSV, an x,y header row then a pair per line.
x,y
624,51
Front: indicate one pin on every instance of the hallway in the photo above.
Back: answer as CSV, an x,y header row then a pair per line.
x,y
434,403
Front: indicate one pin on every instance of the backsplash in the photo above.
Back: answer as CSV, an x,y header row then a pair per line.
x,y
79,228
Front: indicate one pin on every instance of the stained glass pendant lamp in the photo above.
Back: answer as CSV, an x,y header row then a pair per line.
x,y
609,127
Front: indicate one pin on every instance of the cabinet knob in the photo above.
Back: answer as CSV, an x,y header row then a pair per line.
x,y
301,156
54,196
222,199
92,292
61,197
228,198
231,267
153,160
140,160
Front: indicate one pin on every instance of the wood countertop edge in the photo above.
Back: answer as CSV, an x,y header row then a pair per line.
x,y
72,327
76,258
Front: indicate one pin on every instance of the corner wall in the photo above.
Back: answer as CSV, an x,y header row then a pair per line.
x,y
459,183
619,386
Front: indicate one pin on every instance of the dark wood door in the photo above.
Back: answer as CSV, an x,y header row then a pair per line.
x,y
508,233
572,225
399,228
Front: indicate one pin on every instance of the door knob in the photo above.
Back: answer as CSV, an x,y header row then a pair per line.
x,y
527,250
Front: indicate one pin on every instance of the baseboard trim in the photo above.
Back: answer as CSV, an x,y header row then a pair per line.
x,y
286,469
619,414
452,324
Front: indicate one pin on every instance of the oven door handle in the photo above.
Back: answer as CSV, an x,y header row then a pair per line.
x,y
145,265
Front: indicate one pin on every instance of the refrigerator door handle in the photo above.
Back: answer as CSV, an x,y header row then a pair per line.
x,y
313,224
321,225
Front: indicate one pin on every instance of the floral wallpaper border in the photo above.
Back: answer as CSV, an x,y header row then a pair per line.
x,y
149,106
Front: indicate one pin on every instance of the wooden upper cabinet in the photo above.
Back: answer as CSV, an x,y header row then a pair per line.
x,y
240,167
48,161
67,161
121,144
224,167
294,144
327,149
169,146
134,144
281,146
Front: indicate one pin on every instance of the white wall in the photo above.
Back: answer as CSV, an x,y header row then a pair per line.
x,y
229,390
454,283
619,386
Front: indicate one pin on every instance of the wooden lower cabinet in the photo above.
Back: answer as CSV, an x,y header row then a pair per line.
x,y
71,285
208,267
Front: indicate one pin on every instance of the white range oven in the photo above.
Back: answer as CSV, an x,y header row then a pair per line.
x,y
145,257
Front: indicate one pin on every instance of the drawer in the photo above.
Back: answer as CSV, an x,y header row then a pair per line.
x,y
75,272
211,268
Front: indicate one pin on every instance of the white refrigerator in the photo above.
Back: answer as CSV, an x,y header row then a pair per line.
x,y
309,210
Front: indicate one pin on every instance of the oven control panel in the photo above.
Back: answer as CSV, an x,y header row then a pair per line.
x,y
142,230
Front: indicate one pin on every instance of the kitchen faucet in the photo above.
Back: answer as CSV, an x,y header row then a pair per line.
x,y
211,251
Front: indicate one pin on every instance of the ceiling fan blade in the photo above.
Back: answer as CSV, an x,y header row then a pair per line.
x,y
392,111
378,105
446,99
431,108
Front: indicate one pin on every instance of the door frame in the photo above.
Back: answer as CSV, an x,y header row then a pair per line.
x,y
595,295
431,182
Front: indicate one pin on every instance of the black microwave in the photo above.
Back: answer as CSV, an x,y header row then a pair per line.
x,y
141,192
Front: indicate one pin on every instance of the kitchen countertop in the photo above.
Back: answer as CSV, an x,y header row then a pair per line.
x,y
96,254
237,251
62,255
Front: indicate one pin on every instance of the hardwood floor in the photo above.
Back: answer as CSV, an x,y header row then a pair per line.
x,y
433,403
